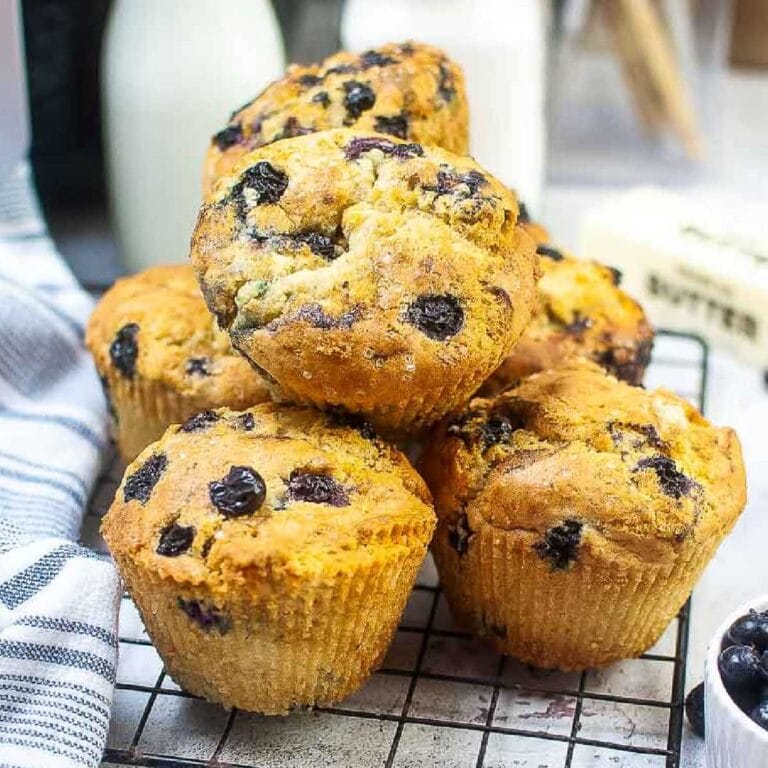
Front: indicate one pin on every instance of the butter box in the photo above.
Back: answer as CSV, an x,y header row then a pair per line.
x,y
690,270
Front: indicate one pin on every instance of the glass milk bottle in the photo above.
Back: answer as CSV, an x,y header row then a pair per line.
x,y
501,46
172,73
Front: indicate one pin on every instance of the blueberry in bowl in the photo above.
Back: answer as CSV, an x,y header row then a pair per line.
x,y
741,669
736,690
750,629
694,709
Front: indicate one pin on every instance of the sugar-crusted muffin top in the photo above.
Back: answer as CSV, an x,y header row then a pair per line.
x,y
581,311
300,219
400,262
411,91
155,326
572,452
231,498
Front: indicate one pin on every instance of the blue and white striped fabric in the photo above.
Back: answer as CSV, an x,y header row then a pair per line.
x,y
58,600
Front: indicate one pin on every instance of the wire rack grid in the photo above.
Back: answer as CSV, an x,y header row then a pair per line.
x,y
440,698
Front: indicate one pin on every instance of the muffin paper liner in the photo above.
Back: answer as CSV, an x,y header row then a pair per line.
x,y
301,643
602,609
144,411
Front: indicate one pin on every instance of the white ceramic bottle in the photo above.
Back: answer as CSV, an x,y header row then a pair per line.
x,y
172,72
501,46
14,128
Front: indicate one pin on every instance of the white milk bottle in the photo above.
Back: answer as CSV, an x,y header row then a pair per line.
x,y
172,73
501,46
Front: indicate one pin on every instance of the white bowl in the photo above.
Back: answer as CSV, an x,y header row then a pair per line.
x,y
733,740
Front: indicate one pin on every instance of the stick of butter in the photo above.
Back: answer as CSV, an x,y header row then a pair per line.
x,y
690,271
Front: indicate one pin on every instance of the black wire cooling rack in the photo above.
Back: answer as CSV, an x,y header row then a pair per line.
x,y
440,698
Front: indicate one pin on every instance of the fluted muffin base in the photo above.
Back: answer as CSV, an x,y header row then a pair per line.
x,y
603,609
293,648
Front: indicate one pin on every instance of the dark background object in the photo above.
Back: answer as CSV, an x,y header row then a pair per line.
x,y
63,41
63,45
310,28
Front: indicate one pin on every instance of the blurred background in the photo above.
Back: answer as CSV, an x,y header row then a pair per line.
x,y
603,107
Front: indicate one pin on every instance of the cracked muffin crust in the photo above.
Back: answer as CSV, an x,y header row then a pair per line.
x,y
576,512
270,552
410,91
161,357
581,312
365,272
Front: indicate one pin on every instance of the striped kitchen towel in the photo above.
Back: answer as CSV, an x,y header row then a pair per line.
x,y
58,600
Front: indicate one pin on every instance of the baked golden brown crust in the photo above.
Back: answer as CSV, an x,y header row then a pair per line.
x,y
581,313
270,552
411,91
162,358
575,513
365,272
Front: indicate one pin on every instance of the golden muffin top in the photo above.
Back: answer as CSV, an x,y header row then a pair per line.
x,y
582,311
231,498
573,452
155,326
404,264
411,91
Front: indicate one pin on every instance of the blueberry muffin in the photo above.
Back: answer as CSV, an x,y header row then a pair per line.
x,y
363,272
410,91
581,312
270,552
576,512
161,357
